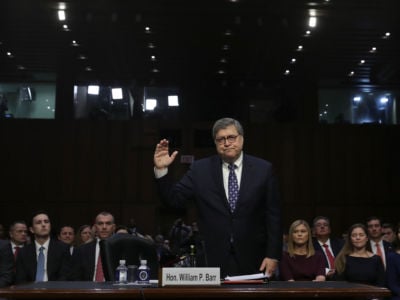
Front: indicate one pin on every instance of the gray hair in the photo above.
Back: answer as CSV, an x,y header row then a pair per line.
x,y
224,123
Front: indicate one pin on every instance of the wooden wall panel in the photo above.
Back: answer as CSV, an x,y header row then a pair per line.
x,y
75,169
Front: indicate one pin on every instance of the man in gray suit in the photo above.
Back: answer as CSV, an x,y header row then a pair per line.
x,y
236,195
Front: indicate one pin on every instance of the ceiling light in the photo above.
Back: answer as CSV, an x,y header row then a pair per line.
x,y
61,15
362,62
93,89
384,100
351,73
147,29
155,70
312,22
88,69
308,32
150,104
373,49
300,48
221,72
173,100
75,43
386,36
287,72
223,60
151,45
228,32
117,94
62,5
153,58
357,99
293,61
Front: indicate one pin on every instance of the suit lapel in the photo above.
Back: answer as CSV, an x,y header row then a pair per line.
x,y
244,181
219,181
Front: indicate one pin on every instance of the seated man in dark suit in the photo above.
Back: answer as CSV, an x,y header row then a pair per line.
x,y
6,264
323,242
86,259
379,246
45,259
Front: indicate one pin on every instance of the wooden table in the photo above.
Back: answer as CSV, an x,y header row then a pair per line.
x,y
271,290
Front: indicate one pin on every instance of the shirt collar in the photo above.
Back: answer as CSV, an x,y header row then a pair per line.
x,y
238,163
45,245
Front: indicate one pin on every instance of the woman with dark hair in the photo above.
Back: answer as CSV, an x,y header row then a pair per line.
x,y
84,235
356,262
301,261
393,268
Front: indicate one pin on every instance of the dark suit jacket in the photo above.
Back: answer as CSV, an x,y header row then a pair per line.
x,y
336,245
6,264
83,262
58,262
254,226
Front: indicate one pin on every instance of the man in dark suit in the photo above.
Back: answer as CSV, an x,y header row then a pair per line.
x,y
6,264
85,259
379,246
323,242
236,195
56,256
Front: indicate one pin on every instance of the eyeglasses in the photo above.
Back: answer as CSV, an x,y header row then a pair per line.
x,y
230,139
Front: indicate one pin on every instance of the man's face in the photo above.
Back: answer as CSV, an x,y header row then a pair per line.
x,y
229,143
374,229
18,234
41,226
67,235
104,226
388,235
322,228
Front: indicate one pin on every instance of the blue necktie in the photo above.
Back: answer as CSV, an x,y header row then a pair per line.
x,y
40,265
233,187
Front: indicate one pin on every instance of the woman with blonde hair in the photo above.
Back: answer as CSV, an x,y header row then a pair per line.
x,y
301,261
356,262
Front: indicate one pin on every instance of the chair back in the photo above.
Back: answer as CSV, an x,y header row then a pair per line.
x,y
130,248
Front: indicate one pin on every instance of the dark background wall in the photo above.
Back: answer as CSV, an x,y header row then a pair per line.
x,y
75,169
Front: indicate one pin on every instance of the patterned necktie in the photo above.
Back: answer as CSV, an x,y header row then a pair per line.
x,y
329,254
40,265
233,187
379,252
99,270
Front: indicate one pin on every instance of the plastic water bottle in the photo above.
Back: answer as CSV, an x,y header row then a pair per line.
x,y
192,257
143,272
121,273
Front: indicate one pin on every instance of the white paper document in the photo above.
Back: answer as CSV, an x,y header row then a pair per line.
x,y
247,277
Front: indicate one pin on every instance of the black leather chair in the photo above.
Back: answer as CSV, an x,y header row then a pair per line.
x,y
132,249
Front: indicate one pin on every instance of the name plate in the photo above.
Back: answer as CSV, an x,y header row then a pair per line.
x,y
190,276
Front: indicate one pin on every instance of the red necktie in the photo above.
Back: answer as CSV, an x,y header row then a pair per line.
x,y
379,252
329,254
16,250
99,270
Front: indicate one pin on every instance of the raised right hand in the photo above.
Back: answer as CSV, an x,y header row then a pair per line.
x,y
162,159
